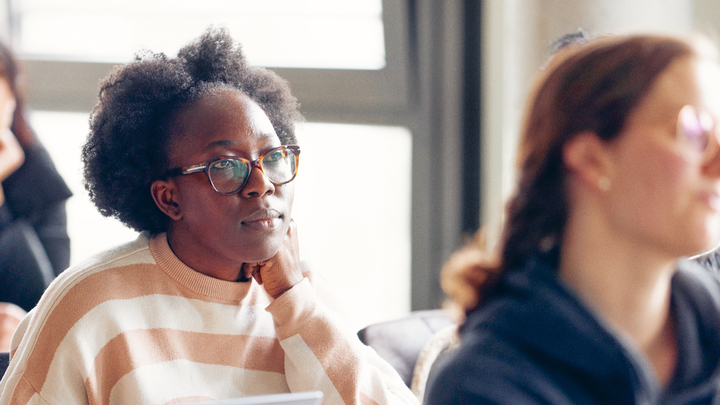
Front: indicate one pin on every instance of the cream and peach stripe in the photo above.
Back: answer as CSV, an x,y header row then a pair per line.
x,y
91,292
76,305
331,349
190,379
116,359
156,312
303,358
138,326
77,302
334,352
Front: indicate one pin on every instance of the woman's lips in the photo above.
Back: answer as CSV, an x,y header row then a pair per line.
x,y
263,220
713,201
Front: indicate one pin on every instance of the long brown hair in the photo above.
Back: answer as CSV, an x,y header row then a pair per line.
x,y
592,86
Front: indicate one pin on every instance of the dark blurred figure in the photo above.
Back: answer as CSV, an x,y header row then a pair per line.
x,y
34,244
587,299
710,260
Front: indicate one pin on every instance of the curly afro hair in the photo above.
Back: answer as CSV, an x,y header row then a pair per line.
x,y
127,148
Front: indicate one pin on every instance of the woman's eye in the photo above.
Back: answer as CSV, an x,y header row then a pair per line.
x,y
274,157
224,164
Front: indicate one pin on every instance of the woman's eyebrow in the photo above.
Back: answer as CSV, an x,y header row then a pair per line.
x,y
230,142
215,144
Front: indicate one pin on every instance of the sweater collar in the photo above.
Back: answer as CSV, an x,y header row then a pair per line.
x,y
192,279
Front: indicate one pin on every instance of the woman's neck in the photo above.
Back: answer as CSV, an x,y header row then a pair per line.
x,y
196,256
625,281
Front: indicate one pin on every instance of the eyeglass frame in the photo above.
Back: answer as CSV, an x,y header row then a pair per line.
x,y
203,167
709,148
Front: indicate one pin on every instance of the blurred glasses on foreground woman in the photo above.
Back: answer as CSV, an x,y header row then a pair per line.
x,y
588,299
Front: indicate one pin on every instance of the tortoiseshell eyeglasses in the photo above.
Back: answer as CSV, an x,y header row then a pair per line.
x,y
229,174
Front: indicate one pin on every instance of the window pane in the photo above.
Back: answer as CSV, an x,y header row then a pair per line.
x,y
344,34
63,134
352,208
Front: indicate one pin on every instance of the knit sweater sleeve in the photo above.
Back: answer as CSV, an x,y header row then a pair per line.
x,y
23,381
322,353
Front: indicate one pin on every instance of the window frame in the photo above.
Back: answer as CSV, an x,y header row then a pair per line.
x,y
419,88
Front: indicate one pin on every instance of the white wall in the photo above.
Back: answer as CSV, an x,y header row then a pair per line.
x,y
517,35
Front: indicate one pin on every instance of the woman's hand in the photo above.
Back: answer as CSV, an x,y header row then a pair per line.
x,y
282,271
10,317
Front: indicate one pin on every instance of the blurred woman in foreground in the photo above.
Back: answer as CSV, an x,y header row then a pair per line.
x,y
588,300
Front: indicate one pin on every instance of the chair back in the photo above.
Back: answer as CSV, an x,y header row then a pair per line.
x,y
400,341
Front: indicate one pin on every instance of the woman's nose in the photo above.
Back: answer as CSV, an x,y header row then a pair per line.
x,y
258,184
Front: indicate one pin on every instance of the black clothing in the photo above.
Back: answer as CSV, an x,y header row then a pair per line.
x,y
536,342
710,260
34,244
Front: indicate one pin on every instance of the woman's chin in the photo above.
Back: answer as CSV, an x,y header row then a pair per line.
x,y
709,243
262,253
708,247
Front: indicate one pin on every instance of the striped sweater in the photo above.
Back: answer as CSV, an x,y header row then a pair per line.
x,y
134,325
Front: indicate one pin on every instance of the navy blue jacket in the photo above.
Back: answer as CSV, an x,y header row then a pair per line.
x,y
535,342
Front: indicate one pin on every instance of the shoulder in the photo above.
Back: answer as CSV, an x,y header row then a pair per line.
x,y
709,260
699,278
487,370
532,342
48,186
97,279
77,292
128,255
696,295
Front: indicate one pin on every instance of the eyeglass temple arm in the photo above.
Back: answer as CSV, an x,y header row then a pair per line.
x,y
178,171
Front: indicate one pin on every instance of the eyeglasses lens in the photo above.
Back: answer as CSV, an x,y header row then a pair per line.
x,y
279,165
228,175
695,126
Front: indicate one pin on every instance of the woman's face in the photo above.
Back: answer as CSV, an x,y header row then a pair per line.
x,y
224,231
663,194
7,105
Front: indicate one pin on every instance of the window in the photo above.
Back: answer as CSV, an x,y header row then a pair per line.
x,y
353,225
355,231
344,34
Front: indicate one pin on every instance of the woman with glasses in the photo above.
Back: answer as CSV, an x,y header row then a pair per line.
x,y
210,302
588,299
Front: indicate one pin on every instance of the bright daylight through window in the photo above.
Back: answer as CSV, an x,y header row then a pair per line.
x,y
345,34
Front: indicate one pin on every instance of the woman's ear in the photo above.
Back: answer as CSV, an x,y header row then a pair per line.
x,y
164,193
588,158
